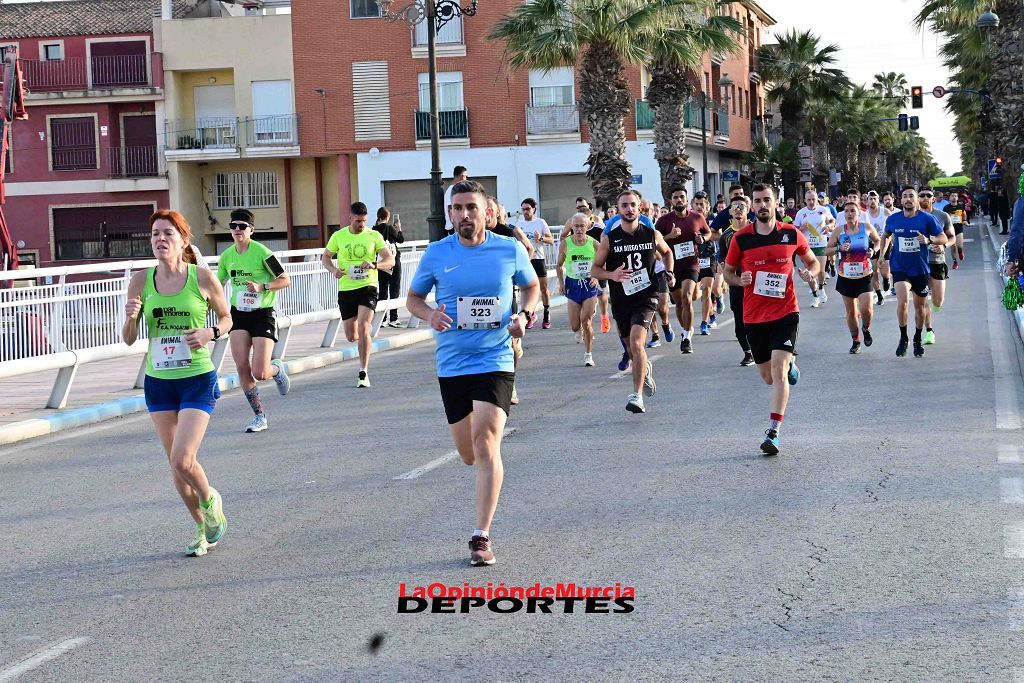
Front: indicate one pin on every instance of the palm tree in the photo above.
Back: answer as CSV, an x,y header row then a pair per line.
x,y
892,86
769,162
799,72
677,54
602,37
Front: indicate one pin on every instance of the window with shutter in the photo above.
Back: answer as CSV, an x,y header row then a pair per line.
x,y
73,143
371,100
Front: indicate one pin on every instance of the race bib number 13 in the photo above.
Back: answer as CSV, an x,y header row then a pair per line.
x,y
478,312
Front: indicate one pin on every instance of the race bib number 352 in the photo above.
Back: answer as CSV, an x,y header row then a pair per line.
x,y
478,312
770,284
170,353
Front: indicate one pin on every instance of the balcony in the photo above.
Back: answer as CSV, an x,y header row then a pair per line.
x,y
79,74
269,136
201,139
453,126
553,123
449,41
644,116
74,158
133,162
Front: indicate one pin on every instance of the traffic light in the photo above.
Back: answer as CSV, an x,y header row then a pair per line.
x,y
915,123
916,97
904,123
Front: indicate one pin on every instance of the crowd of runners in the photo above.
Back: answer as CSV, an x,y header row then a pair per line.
x,y
625,263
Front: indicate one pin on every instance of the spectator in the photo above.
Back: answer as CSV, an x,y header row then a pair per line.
x,y
391,283
1015,243
460,174
1001,209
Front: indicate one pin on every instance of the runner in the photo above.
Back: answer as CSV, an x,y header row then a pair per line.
x,y
912,232
256,276
472,273
760,260
855,243
877,215
181,387
936,262
684,230
814,222
579,287
957,211
537,230
495,222
739,207
701,204
596,230
706,260
888,201
626,258
358,248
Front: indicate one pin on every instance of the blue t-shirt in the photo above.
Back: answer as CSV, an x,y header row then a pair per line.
x,y
723,218
905,257
487,270
832,210
616,219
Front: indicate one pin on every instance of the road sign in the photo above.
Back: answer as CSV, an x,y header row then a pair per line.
x,y
994,170
730,176
806,177
636,180
939,91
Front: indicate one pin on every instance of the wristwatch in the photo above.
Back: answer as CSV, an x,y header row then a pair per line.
x,y
216,333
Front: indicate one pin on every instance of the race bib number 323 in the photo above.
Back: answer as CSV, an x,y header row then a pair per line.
x,y
478,312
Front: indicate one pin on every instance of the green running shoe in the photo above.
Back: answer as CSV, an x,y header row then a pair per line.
x,y
929,337
199,545
214,521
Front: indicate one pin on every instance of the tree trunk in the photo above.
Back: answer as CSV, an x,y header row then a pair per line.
x,y
667,96
604,102
1006,84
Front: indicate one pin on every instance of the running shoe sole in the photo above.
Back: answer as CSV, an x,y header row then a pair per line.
x,y
649,386
634,408
768,447
284,383
218,512
793,375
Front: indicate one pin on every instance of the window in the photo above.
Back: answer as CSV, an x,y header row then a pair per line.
x,y
450,33
449,91
365,9
272,113
371,100
53,52
73,143
246,190
102,232
551,88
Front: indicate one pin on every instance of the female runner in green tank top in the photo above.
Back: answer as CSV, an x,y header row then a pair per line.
x,y
181,383
583,291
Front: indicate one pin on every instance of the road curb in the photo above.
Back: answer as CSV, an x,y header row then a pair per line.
x,y
1019,313
100,412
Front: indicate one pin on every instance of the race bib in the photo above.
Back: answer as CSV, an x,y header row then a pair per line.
x,y
358,273
685,250
705,262
853,268
909,245
248,301
637,283
478,312
170,353
770,284
581,269
817,241
957,218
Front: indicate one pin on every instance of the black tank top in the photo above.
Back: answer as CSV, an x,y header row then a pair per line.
x,y
635,251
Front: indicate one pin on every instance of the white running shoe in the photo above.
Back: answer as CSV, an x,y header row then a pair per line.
x,y
579,336
284,383
258,424
816,302
588,360
824,295
635,403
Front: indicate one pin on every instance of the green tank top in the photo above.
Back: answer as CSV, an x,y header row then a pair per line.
x,y
167,318
579,259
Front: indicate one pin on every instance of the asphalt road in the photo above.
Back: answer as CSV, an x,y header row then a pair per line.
x,y
886,543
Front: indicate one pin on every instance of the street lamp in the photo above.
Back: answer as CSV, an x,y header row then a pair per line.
x,y
706,101
437,13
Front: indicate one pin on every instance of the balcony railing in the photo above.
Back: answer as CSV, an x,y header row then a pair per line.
x,y
644,115
78,158
203,133
452,124
132,162
450,34
557,118
721,120
114,71
272,131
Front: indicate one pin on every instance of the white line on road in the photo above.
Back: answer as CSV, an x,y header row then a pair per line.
x,y
1007,413
1012,490
40,658
1009,455
1013,541
434,464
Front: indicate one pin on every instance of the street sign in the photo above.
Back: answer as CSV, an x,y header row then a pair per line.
x,y
804,151
806,177
939,91
993,169
730,176
636,180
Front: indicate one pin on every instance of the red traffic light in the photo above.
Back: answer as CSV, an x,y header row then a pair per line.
x,y
999,160
916,97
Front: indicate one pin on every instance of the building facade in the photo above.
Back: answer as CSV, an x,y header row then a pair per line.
x,y
362,100
85,172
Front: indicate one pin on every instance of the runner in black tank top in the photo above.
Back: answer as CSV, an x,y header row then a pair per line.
x,y
626,257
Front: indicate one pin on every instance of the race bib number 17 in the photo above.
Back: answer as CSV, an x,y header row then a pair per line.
x,y
170,353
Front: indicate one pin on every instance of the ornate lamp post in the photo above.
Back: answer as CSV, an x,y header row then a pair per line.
x,y
706,102
436,13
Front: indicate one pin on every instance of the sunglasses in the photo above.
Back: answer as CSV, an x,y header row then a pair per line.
x,y
239,226
926,195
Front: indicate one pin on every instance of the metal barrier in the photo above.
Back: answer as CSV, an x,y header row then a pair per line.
x,y
64,325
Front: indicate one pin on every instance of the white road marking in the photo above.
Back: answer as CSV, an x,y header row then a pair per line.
x,y
629,371
1009,455
1017,621
434,464
1007,412
40,658
1012,490
1013,541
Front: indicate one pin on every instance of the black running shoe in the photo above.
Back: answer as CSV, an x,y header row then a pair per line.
x,y
855,348
901,349
868,340
748,359
918,350
685,346
879,299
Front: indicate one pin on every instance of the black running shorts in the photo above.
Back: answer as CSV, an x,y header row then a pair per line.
x,y
349,301
853,287
940,271
259,323
777,335
539,266
633,312
661,282
459,392
918,283
683,275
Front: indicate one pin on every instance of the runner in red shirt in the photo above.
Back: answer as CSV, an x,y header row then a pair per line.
x,y
760,260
